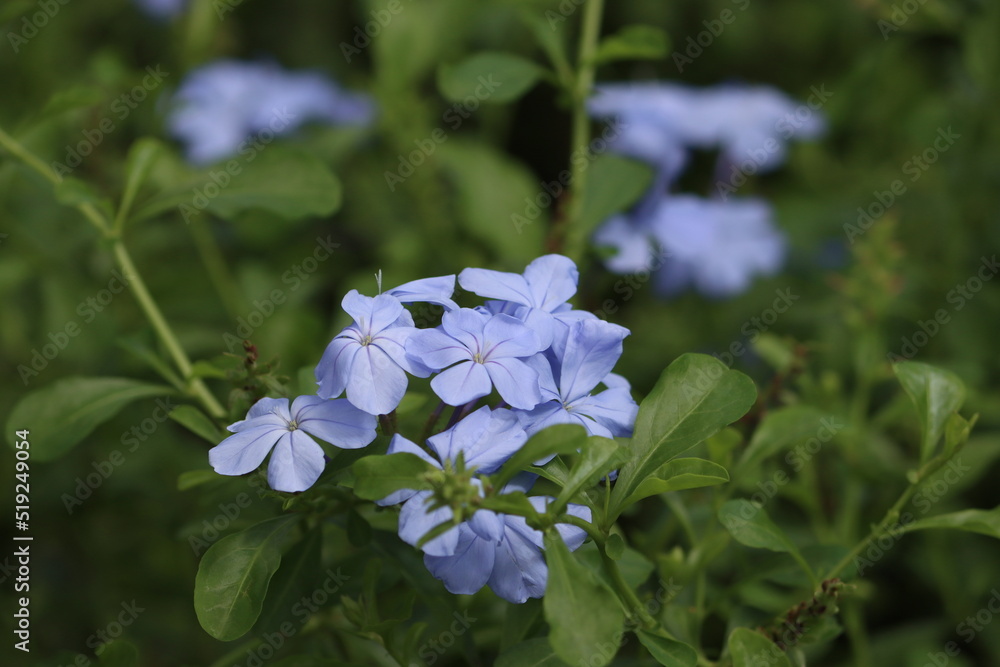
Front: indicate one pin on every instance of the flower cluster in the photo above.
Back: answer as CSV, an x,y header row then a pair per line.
x,y
718,244
545,362
222,106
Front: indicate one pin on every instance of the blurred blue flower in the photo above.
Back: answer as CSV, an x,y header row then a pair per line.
x,y
660,119
162,9
715,246
297,460
570,373
479,351
222,107
368,358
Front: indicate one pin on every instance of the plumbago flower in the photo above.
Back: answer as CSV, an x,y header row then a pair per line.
x,y
491,549
297,460
715,245
569,375
221,107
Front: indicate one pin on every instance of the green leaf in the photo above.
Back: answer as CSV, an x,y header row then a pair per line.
x,y
72,191
613,184
585,617
598,457
375,477
936,393
633,42
956,432
518,620
695,397
510,221
984,522
489,76
71,99
678,475
668,651
515,503
234,574
67,411
118,653
284,181
549,442
197,422
750,525
552,43
141,156
615,546
536,652
749,649
779,431
295,579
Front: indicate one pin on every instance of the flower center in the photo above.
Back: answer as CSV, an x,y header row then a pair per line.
x,y
366,340
479,358
293,425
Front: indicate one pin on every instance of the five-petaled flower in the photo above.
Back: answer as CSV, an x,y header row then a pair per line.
x,y
297,460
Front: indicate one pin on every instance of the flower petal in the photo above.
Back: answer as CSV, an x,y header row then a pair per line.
x,y
372,314
336,422
615,409
428,290
505,336
415,521
516,382
334,368
377,383
242,453
435,349
552,280
462,383
296,463
519,570
468,570
496,285
592,350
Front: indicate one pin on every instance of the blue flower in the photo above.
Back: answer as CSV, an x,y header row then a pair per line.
x,y
368,358
747,122
569,375
501,551
538,297
297,460
486,350
485,439
223,104
428,290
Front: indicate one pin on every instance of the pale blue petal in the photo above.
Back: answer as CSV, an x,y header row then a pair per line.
x,y
468,570
435,349
592,350
337,422
552,280
487,525
546,380
486,438
377,384
334,368
505,336
519,570
496,285
415,521
543,416
270,408
466,326
242,453
462,383
516,382
393,341
428,290
613,408
296,463
372,314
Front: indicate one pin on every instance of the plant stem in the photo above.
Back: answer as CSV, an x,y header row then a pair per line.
x,y
215,265
196,387
568,236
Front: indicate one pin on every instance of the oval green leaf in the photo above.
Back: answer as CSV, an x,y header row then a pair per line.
x,y
490,76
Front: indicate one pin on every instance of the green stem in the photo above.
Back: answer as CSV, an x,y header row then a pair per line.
x,y
569,235
196,387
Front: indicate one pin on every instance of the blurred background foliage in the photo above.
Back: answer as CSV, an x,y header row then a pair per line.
x,y
891,91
